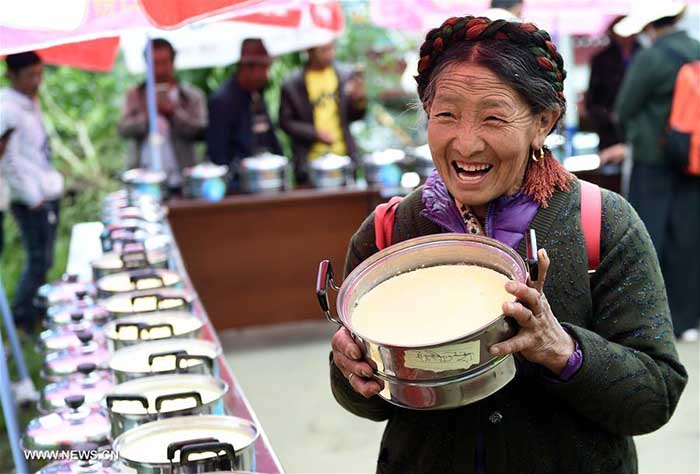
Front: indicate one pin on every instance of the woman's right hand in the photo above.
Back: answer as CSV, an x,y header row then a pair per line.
x,y
347,356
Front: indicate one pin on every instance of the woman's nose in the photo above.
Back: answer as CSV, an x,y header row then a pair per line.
x,y
468,140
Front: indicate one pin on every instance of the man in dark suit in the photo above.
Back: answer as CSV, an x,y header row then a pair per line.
x,y
318,104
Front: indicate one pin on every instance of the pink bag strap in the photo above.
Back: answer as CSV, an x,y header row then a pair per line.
x,y
591,214
384,222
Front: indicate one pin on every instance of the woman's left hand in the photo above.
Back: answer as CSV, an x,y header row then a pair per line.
x,y
541,339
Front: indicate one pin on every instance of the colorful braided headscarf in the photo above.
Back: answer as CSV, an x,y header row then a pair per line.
x,y
546,174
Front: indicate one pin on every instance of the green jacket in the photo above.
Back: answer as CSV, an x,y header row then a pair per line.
x,y
629,383
643,104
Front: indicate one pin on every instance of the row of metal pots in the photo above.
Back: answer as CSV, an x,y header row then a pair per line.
x,y
126,367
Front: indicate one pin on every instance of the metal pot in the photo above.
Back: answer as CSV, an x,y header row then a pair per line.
x,y
383,168
61,292
421,161
167,446
137,302
136,280
430,376
132,330
139,401
90,382
151,253
146,213
66,336
264,172
86,307
331,171
145,182
165,357
115,235
205,181
61,364
68,428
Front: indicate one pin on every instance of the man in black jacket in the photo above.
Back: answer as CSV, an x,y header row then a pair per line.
x,y
318,104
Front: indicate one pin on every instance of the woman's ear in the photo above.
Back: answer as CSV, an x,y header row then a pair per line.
x,y
544,123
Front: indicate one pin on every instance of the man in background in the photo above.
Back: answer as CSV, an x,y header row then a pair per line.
x,y
317,106
510,10
35,185
240,123
182,118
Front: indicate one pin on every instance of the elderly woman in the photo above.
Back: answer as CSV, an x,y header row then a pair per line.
x,y
596,358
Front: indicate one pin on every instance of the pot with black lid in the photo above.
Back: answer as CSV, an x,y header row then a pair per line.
x,y
153,252
85,306
130,330
136,280
126,304
66,336
139,401
89,381
182,444
61,364
61,292
68,428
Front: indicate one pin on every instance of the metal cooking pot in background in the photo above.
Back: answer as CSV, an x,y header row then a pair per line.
x,y
136,280
145,182
66,290
420,160
263,173
433,380
61,364
90,382
153,252
137,302
139,401
115,235
149,213
205,181
85,306
176,445
66,336
383,168
135,329
166,356
331,171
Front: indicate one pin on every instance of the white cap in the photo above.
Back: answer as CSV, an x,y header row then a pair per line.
x,y
645,12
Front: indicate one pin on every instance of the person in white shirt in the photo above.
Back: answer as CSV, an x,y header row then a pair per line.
x,y
34,184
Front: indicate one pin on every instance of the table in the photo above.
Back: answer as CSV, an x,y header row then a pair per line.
x,y
85,247
254,258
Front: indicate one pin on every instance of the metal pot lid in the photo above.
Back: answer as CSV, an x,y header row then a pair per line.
x,y
136,280
149,442
385,157
264,162
158,325
206,171
330,162
145,213
163,356
164,394
90,382
67,361
143,176
148,301
64,290
68,427
90,311
152,251
64,337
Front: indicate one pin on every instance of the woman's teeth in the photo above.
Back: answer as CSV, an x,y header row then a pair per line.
x,y
471,167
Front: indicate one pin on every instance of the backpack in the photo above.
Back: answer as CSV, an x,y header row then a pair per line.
x,y
682,138
591,213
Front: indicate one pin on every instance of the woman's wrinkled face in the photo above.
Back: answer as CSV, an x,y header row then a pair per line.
x,y
480,132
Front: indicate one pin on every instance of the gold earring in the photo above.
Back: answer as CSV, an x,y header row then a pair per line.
x,y
537,158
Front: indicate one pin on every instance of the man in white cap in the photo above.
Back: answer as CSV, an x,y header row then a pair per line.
x,y
510,10
667,200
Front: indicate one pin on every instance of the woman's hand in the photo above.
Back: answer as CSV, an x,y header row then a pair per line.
x,y
541,338
348,358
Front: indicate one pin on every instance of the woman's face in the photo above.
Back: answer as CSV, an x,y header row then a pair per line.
x,y
480,132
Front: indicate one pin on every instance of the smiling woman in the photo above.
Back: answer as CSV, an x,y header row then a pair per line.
x,y
492,91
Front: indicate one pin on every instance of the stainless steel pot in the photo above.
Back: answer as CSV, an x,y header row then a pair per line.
x,y
61,364
169,446
438,376
264,173
85,307
383,168
153,252
146,213
144,182
137,302
331,171
205,181
64,291
136,329
421,161
114,236
165,357
66,336
90,382
136,280
139,401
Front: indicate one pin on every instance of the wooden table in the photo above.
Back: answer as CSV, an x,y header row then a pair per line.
x,y
253,258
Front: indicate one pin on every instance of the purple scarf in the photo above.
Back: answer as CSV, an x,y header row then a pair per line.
x,y
507,218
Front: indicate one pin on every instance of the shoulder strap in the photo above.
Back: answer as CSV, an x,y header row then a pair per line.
x,y
384,222
591,216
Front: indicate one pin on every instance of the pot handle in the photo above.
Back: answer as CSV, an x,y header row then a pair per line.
x,y
134,256
136,277
185,356
110,399
324,279
157,355
214,448
196,396
178,445
139,326
149,327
